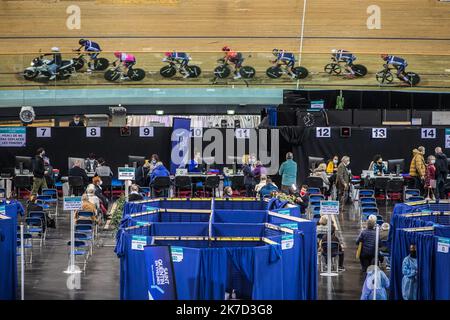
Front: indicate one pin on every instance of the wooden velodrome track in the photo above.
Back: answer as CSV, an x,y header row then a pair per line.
x,y
419,30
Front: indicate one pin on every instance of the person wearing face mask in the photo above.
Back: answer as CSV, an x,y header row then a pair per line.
x,y
333,165
409,270
302,198
379,168
441,173
39,172
343,181
227,192
417,167
430,177
76,122
98,191
154,159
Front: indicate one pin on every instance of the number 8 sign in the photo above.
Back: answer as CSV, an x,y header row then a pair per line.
x,y
93,132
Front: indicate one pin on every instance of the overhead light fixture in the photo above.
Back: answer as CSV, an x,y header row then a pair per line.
x,y
27,114
231,112
159,112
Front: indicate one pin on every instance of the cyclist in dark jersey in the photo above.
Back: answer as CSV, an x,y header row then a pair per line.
x,y
235,58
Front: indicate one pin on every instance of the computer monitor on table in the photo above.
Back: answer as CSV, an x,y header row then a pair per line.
x,y
72,160
313,162
24,163
136,161
396,166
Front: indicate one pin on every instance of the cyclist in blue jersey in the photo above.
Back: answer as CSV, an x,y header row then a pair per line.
x,y
180,58
339,55
90,46
398,63
285,58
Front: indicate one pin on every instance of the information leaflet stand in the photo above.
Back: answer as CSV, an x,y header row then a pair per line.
x,y
72,204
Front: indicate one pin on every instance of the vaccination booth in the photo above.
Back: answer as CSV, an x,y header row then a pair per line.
x,y
427,226
219,248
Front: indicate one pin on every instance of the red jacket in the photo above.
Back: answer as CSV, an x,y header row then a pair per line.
x,y
430,174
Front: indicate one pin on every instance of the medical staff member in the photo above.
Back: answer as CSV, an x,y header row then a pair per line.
x,y
382,283
409,270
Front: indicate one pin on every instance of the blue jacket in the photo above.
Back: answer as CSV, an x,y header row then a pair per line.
x,y
409,281
159,171
368,238
194,166
288,173
379,168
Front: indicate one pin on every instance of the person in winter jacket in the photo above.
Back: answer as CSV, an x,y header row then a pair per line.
x,y
430,177
417,168
441,172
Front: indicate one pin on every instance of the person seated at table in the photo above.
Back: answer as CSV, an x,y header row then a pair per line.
x,y
334,238
267,189
97,182
320,172
91,163
142,174
227,192
154,159
258,171
333,165
302,198
262,183
102,169
195,165
77,171
159,171
134,193
378,166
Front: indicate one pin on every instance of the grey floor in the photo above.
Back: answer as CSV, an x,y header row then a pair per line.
x,y
45,277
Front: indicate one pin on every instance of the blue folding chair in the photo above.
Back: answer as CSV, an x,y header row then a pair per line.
x,y
366,212
366,193
368,200
380,220
314,203
411,193
27,246
415,198
316,197
81,249
35,226
368,205
312,191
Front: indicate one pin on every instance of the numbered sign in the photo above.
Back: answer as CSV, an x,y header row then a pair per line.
x,y
43,132
146,132
379,133
428,133
323,132
196,132
242,133
93,132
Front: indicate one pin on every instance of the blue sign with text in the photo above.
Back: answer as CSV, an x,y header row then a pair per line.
x,y
158,263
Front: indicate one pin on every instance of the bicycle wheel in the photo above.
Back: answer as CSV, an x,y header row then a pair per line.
x,y
384,77
300,72
413,77
112,75
30,74
274,72
222,72
101,64
167,71
194,71
78,63
136,74
332,68
247,72
360,70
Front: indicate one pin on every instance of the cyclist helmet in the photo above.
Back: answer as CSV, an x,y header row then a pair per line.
x,y
226,48
82,42
167,54
275,52
55,49
384,56
117,54
333,51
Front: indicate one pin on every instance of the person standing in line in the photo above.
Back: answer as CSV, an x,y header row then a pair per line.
x,y
343,181
368,239
441,173
417,168
39,172
430,178
288,173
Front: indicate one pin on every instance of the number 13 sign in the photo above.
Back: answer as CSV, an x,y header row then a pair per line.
x,y
379,133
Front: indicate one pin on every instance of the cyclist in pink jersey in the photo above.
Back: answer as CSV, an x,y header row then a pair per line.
x,y
128,60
